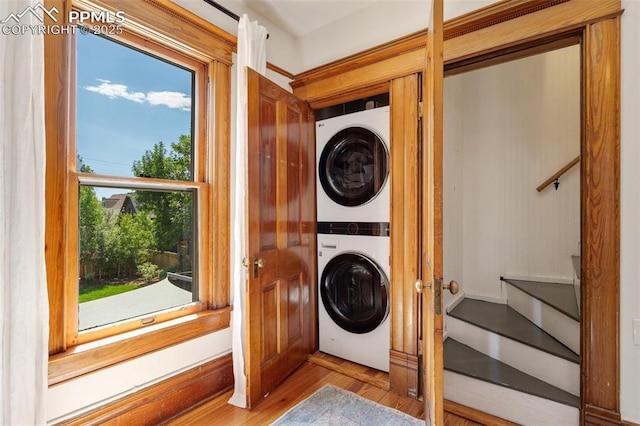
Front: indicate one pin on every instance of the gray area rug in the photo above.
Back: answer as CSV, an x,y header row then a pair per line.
x,y
333,406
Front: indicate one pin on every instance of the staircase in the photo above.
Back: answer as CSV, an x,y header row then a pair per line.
x,y
518,360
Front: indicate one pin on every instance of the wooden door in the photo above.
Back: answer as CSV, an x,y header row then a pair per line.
x,y
281,235
431,219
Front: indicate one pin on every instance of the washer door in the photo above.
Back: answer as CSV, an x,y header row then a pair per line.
x,y
353,166
355,292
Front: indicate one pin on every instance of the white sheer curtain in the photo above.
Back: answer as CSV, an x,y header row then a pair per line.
x,y
251,53
23,286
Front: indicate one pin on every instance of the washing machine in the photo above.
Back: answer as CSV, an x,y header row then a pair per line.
x,y
354,294
352,159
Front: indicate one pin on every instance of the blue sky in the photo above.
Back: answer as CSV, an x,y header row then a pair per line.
x,y
126,102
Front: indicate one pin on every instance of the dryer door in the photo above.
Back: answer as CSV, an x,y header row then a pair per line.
x,y
355,292
353,166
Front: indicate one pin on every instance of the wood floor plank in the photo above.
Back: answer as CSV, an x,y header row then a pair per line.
x,y
372,393
300,385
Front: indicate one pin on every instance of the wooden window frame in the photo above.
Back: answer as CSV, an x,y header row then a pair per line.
x,y
168,31
198,187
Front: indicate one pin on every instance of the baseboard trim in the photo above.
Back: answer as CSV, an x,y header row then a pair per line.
x,y
403,374
351,369
164,400
594,415
474,415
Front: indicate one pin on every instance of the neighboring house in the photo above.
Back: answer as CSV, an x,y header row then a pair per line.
x,y
119,203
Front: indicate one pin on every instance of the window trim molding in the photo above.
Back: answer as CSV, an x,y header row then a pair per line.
x,y
159,22
89,357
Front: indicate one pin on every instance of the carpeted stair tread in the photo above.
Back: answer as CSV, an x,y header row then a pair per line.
x,y
462,359
505,321
561,297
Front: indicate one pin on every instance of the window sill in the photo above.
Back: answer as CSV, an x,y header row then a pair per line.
x,y
89,357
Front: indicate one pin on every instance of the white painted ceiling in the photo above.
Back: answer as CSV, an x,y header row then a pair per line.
x,y
300,17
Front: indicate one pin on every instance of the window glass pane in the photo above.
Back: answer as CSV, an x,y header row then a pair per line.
x,y
132,106
136,253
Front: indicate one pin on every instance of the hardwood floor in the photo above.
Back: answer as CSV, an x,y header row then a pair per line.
x,y
300,385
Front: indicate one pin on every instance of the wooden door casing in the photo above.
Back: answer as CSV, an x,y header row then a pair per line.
x,y
281,214
405,239
431,218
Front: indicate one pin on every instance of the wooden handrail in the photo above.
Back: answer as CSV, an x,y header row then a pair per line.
x,y
559,173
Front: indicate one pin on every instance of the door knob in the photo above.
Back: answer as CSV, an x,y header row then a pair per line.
x,y
453,286
258,263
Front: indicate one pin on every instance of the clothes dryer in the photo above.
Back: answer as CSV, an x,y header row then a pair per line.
x,y
354,297
352,159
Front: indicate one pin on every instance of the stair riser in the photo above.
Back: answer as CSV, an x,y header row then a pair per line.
x,y
507,403
549,368
565,329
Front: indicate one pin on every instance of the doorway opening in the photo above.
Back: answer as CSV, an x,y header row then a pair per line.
x,y
513,332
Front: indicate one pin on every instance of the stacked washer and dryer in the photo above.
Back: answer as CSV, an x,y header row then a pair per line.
x,y
353,203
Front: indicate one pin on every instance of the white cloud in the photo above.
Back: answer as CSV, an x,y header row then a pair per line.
x,y
113,91
176,100
170,99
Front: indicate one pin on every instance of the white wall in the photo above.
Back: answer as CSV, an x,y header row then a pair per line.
x,y
453,181
379,23
520,122
73,397
382,21
630,212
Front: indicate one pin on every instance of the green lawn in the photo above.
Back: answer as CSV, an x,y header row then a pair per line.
x,y
98,292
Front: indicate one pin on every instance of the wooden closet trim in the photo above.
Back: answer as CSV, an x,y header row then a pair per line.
x,y
349,79
494,14
467,36
405,235
562,18
600,199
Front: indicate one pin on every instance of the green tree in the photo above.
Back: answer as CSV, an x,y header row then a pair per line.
x,y
158,163
131,241
92,225
172,212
